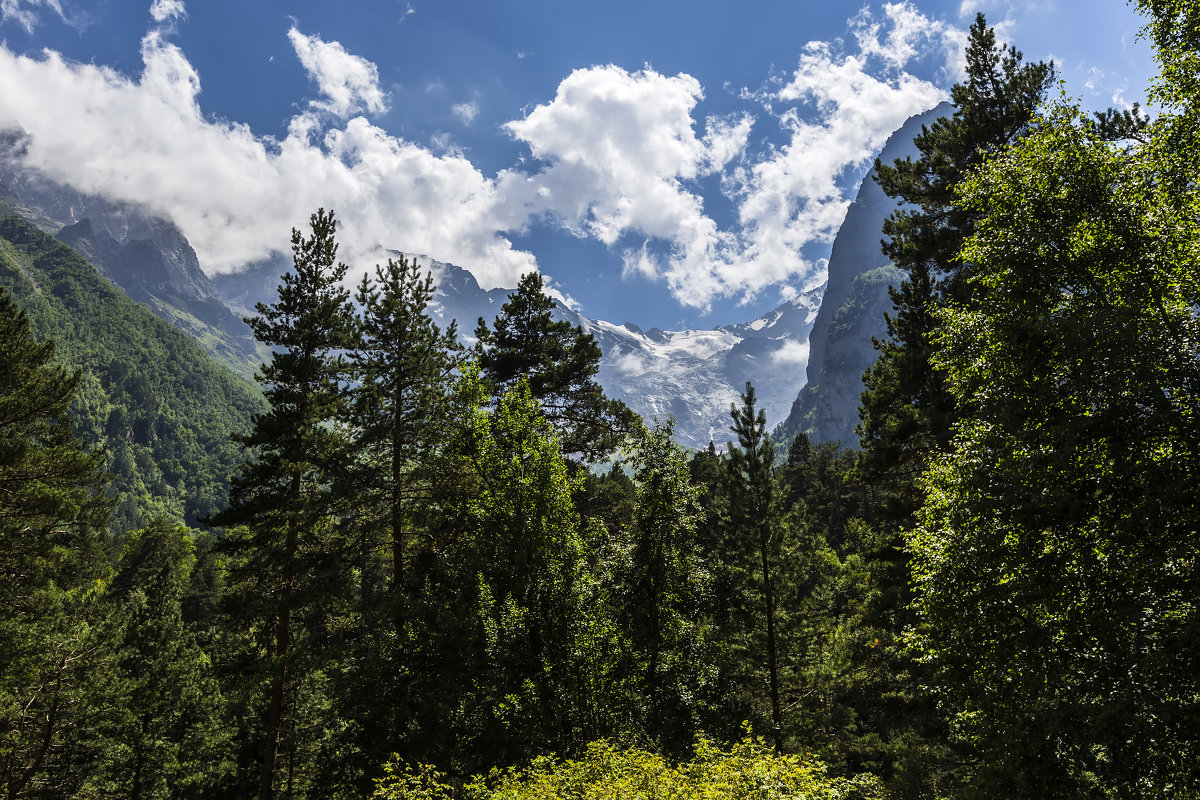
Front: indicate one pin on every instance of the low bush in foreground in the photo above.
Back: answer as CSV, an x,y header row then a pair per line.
x,y
747,771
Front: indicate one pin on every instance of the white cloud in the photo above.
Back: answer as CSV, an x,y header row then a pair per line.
x,y
899,38
22,11
792,353
349,83
165,10
619,159
968,8
236,196
620,151
465,112
628,363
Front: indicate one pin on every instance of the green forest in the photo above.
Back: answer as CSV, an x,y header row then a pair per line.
x,y
412,569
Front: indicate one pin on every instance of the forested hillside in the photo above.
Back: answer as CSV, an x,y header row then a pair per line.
x,y
143,254
423,585
154,399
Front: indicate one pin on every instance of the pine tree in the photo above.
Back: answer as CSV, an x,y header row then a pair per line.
x,y
559,362
403,367
289,559
671,635
54,662
756,520
176,740
907,412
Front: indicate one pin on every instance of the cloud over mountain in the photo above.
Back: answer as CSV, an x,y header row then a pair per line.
x,y
616,156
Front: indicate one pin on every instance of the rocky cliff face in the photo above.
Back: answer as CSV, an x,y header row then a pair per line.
x,y
851,315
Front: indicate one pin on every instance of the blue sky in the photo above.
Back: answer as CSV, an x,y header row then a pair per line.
x,y
672,164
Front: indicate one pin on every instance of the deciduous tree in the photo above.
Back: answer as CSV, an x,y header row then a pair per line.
x,y
1056,561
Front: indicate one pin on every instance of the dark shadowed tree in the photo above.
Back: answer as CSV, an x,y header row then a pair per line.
x,y
177,744
756,519
907,412
285,543
55,661
559,362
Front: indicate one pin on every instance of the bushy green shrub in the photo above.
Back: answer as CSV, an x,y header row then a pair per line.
x,y
747,771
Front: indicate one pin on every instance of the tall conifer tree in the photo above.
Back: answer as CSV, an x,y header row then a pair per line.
x,y
282,495
907,412
53,676
756,520
403,366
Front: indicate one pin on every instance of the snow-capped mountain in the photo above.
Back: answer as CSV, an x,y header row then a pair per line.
x,y
693,375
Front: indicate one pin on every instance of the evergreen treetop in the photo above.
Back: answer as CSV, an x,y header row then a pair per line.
x,y
559,362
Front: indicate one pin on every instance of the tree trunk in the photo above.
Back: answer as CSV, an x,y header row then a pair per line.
x,y
772,671
398,603
283,633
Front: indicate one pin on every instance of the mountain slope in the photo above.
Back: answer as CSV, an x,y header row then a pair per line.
x,y
851,315
162,406
145,255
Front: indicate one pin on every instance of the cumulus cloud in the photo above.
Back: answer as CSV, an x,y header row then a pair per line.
x,y
235,195
166,10
349,84
897,37
620,151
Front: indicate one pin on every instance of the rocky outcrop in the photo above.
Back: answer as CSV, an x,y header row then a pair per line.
x,y
851,315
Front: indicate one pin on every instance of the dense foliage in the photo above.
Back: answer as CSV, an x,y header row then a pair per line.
x,y
148,394
1056,548
746,770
